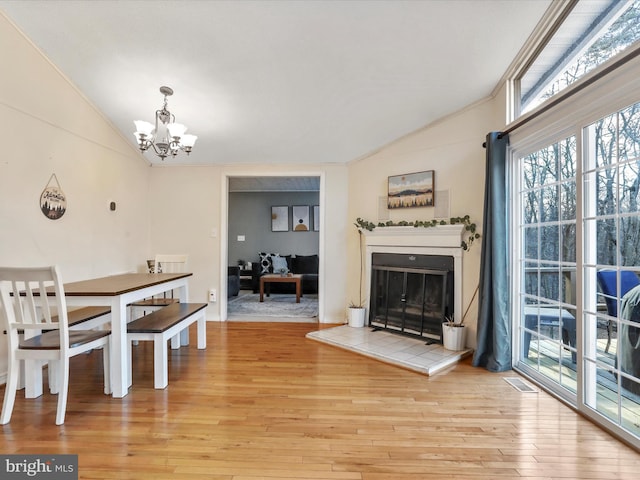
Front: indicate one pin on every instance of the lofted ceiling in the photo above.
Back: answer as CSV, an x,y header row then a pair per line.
x,y
285,82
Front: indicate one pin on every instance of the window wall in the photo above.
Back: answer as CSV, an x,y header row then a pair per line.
x,y
576,266
575,210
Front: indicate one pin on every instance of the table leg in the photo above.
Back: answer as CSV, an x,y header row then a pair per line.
x,y
262,289
120,380
298,290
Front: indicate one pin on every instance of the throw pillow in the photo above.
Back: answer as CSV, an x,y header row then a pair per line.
x,y
266,262
288,259
279,263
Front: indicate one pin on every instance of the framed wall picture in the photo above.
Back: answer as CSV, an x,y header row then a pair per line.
x,y
411,190
280,219
300,218
316,218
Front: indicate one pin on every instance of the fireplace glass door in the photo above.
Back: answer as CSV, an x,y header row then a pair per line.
x,y
409,301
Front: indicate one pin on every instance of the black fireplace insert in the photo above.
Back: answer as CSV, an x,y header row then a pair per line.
x,y
411,294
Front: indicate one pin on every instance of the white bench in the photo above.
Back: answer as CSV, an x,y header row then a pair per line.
x,y
162,325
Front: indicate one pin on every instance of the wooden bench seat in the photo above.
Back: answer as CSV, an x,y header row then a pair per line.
x,y
88,317
162,325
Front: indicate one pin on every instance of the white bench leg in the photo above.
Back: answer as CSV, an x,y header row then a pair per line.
x,y
33,378
54,381
202,331
130,359
21,376
160,362
106,366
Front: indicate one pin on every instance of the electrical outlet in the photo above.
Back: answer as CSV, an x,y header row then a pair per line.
x,y
213,295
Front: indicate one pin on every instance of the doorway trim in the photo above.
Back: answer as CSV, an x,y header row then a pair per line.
x,y
224,230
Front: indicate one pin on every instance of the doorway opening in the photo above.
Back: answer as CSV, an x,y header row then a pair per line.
x,y
273,226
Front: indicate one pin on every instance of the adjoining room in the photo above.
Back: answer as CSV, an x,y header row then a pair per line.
x,y
273,242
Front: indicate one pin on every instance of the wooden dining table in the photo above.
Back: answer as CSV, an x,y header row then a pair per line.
x,y
118,291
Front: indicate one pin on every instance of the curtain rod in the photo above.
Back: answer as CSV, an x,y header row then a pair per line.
x,y
560,98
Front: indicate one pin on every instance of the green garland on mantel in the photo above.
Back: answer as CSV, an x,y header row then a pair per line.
x,y
469,226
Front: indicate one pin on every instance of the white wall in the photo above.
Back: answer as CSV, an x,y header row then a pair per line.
x,y
183,221
185,208
49,127
453,149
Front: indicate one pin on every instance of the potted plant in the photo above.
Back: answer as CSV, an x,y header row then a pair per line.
x,y
454,335
357,311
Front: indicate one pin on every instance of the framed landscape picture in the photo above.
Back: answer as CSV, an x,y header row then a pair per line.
x,y
411,190
300,218
280,219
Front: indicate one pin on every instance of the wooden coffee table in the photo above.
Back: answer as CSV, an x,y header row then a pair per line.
x,y
274,278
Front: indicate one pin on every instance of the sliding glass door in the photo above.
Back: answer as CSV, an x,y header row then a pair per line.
x,y
577,266
611,226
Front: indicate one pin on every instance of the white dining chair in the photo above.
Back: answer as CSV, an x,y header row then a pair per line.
x,y
38,331
163,263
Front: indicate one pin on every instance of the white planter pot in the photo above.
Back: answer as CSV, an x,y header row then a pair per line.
x,y
357,317
454,338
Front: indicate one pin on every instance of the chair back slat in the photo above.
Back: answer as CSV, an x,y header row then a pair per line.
x,y
171,263
33,301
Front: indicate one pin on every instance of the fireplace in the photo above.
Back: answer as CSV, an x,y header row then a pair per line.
x,y
414,278
411,294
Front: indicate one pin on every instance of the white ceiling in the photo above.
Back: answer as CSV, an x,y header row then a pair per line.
x,y
281,81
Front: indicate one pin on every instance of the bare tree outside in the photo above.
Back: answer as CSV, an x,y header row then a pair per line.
x,y
623,32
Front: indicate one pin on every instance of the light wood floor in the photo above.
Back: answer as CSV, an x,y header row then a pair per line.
x,y
263,402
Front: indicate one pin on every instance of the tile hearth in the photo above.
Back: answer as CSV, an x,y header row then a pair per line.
x,y
407,352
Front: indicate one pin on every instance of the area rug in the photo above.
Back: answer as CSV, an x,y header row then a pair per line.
x,y
277,305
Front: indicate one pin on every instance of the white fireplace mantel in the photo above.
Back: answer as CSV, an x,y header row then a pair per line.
x,y
438,240
440,236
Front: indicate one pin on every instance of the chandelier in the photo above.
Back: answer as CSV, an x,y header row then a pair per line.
x,y
166,137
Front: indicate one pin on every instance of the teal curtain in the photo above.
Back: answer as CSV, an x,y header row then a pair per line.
x,y
494,326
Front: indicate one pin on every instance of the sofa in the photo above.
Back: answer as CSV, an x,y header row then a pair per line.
x,y
233,281
305,265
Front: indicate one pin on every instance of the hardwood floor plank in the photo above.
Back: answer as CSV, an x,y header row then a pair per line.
x,y
263,402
